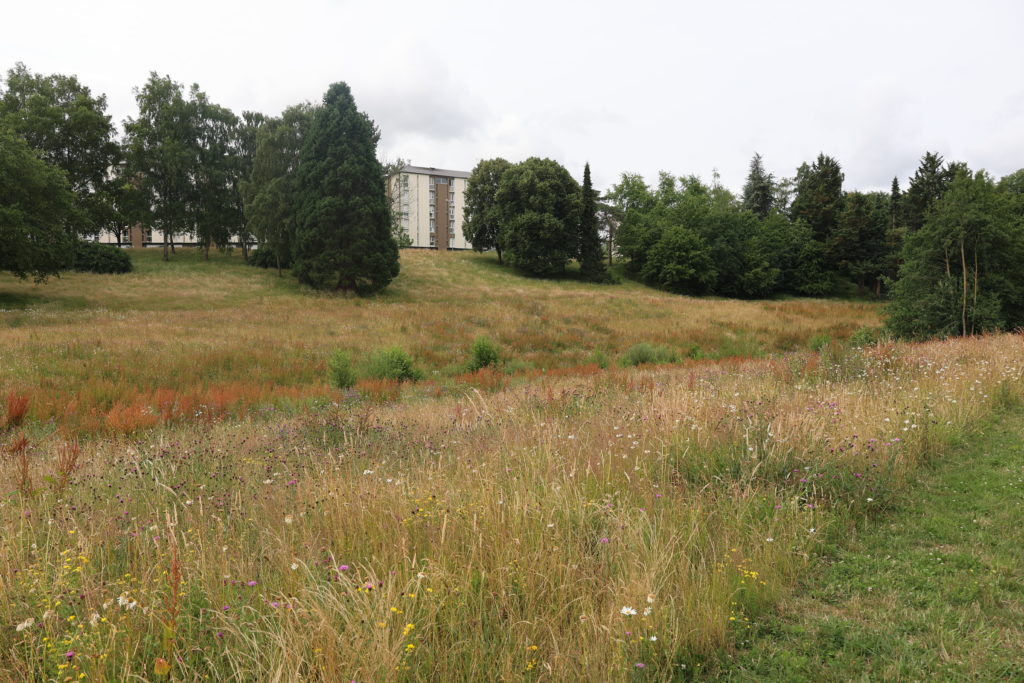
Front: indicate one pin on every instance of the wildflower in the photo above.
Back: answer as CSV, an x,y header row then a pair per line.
x,y
70,654
640,665
769,540
25,624
343,568
653,638
627,611
295,565
647,611
650,598
288,519
250,584
604,540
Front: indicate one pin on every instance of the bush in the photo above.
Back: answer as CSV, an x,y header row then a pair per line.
x,y
600,359
93,257
393,363
339,370
865,336
264,258
483,354
819,341
644,353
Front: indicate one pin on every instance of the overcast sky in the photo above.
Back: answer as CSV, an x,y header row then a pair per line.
x,y
637,86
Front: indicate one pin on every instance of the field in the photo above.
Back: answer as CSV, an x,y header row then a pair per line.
x,y
185,498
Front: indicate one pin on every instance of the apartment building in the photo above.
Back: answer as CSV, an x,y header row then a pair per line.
x,y
430,203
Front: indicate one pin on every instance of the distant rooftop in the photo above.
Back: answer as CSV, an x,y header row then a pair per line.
x,y
430,170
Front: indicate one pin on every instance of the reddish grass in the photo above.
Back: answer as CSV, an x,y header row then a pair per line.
x,y
17,408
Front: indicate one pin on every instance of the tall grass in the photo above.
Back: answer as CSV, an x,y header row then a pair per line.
x,y
607,525
83,346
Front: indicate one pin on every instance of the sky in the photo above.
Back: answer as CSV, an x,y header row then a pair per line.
x,y
640,87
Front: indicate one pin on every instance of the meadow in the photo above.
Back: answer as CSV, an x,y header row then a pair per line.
x,y
563,522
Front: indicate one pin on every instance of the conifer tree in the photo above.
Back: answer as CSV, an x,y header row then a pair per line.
x,y
759,190
930,181
343,234
819,196
591,259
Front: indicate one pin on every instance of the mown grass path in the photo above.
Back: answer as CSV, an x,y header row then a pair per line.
x,y
934,590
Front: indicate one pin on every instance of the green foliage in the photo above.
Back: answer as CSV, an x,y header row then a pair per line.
x,y
591,256
343,234
819,342
680,262
538,204
339,370
857,246
866,336
484,353
759,190
393,363
929,183
961,271
819,196
482,223
36,205
92,257
269,194
600,359
69,128
644,353
267,258
161,157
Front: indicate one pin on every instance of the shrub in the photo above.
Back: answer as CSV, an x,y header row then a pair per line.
x,y
819,341
483,354
265,258
866,336
92,257
600,359
339,370
393,363
644,353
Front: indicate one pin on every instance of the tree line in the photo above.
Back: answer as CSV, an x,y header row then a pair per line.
x,y
305,186
947,252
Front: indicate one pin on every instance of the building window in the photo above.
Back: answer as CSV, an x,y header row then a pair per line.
x,y
433,240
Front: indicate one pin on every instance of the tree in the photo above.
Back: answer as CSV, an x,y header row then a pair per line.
x,y
398,229
70,129
929,183
215,206
269,194
819,196
482,224
961,272
246,140
36,206
857,245
160,148
538,208
759,190
680,261
343,232
590,257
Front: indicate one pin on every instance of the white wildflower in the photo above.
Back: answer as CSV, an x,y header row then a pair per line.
x,y
628,611
25,624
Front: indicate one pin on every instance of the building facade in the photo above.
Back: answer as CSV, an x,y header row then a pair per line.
x,y
430,204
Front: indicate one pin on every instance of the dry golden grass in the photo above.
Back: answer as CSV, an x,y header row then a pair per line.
x,y
95,352
599,525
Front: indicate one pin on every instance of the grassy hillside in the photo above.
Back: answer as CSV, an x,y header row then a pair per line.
x,y
575,524
99,352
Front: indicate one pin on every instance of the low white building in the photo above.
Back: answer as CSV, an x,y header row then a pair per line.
x,y
430,203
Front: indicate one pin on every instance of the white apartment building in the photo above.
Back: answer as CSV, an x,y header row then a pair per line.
x,y
430,202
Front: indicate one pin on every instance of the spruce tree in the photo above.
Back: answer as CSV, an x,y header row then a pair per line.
x,y
343,234
819,196
929,184
591,259
759,190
